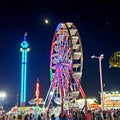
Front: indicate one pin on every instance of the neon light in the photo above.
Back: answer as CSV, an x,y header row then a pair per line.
x,y
37,92
51,75
58,27
25,69
24,51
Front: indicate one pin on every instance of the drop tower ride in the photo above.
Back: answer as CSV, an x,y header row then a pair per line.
x,y
24,50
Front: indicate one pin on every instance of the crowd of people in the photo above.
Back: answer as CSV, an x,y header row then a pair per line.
x,y
113,114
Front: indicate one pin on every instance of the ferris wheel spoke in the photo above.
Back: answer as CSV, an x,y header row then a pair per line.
x,y
66,64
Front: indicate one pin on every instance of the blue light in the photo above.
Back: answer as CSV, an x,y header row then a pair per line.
x,y
58,27
24,51
24,44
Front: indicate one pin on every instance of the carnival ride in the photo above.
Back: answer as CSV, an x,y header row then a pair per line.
x,y
35,104
114,60
37,100
24,50
66,64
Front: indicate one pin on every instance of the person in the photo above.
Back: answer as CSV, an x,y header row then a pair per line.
x,y
75,116
52,117
42,116
7,118
14,118
88,115
31,116
26,117
64,117
19,117
39,117
104,115
70,116
3,118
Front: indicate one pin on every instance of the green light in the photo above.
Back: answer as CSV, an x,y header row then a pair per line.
x,y
51,75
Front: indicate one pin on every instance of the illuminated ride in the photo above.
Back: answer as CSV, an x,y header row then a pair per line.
x,y
114,60
66,64
37,100
24,50
35,104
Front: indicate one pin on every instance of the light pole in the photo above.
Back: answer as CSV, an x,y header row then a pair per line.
x,y
101,81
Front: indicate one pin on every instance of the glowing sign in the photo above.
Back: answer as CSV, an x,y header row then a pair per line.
x,y
114,98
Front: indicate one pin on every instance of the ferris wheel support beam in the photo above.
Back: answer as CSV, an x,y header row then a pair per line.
x,y
84,97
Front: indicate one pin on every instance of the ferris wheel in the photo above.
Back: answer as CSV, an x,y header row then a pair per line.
x,y
66,63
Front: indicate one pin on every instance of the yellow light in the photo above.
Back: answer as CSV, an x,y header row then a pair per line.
x,y
28,49
21,49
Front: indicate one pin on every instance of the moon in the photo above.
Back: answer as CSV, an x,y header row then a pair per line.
x,y
46,21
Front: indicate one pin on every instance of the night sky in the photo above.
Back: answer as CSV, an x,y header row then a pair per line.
x,y
99,27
